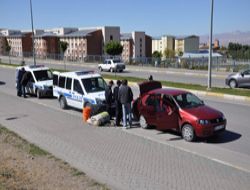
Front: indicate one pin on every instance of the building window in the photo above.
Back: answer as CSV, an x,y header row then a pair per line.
x,y
111,37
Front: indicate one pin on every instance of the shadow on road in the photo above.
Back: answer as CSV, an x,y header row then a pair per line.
x,y
225,137
2,83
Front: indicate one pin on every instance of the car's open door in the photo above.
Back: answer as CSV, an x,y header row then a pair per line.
x,y
148,85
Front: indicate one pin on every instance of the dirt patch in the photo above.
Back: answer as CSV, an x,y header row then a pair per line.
x,y
24,166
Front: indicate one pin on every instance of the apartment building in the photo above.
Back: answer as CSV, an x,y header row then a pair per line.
x,y
136,45
62,30
46,45
187,44
18,41
165,42
127,43
82,43
89,41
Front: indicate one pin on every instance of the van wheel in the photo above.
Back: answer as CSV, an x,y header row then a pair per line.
x,y
187,132
143,122
38,94
63,102
232,83
100,69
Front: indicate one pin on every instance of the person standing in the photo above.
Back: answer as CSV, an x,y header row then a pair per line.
x,y
118,105
19,76
25,79
109,98
150,78
125,96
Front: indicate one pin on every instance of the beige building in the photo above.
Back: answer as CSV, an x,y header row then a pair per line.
x,y
19,42
109,33
89,41
136,45
46,45
62,31
187,44
165,42
82,43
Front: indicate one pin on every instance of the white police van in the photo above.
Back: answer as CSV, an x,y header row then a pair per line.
x,y
41,81
79,89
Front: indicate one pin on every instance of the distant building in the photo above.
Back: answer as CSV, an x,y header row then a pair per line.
x,y
187,44
216,44
62,31
165,42
136,46
46,45
19,42
89,41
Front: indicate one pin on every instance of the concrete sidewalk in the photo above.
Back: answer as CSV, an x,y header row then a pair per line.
x,y
113,156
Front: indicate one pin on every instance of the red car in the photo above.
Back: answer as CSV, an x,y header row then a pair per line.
x,y
178,110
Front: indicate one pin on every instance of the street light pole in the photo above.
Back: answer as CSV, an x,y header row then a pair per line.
x,y
34,52
210,60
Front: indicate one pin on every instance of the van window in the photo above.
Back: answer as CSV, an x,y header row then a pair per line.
x,y
77,87
61,82
68,83
94,84
55,79
43,75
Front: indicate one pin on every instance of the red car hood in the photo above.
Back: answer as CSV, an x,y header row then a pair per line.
x,y
204,112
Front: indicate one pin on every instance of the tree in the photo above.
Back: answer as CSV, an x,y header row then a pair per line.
x,y
157,54
180,53
7,48
63,47
113,48
168,53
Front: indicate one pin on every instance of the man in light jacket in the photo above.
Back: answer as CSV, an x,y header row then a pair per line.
x,y
125,96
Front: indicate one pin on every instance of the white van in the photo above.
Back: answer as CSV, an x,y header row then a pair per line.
x,y
40,83
79,89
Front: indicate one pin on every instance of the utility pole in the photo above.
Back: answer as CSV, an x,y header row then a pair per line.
x,y
34,52
210,60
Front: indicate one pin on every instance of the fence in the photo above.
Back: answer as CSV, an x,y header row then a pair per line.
x,y
219,63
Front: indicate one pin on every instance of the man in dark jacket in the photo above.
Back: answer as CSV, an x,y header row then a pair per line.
x,y
19,76
25,79
118,105
125,96
109,98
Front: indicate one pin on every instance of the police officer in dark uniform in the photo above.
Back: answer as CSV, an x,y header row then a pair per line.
x,y
109,98
118,105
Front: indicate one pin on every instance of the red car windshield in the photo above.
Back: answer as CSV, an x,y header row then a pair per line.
x,y
188,100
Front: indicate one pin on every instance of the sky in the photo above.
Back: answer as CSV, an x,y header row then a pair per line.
x,y
155,17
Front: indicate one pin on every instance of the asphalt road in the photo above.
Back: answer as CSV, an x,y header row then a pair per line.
x,y
167,74
231,148
236,138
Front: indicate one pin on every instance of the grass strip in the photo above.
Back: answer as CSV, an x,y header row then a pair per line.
x,y
229,91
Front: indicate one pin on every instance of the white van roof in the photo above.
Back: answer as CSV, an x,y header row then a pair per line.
x,y
81,74
33,67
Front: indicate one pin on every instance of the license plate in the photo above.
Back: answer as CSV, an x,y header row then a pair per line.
x,y
219,127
